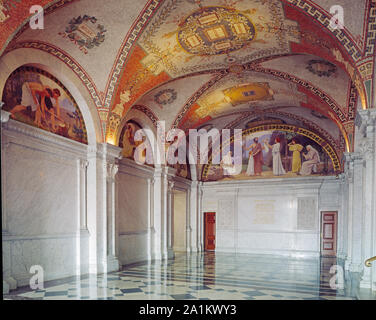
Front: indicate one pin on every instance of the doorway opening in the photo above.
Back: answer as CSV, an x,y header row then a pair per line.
x,y
209,231
328,234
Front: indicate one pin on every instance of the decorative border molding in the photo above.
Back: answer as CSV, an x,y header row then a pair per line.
x,y
67,59
342,36
52,140
147,111
131,37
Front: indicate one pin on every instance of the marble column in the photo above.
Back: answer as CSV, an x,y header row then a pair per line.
x,y
101,217
8,281
112,241
194,216
82,196
343,239
170,219
354,261
83,233
150,220
200,218
188,222
367,149
156,220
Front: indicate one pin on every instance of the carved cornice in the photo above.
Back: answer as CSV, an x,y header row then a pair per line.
x,y
107,151
16,129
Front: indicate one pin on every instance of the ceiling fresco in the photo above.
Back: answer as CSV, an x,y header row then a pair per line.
x,y
210,63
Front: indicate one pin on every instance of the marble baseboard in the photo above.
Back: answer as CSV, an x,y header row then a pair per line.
x,y
285,253
59,257
133,248
180,249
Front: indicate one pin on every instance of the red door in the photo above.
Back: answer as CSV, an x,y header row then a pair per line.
x,y
328,233
209,231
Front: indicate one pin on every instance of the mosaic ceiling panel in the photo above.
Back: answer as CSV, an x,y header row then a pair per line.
x,y
184,37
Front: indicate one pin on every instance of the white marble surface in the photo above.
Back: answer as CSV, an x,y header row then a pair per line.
x,y
132,247
40,181
133,212
55,255
262,216
179,221
41,192
133,200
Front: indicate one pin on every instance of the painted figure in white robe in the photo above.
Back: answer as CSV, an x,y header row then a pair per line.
x,y
227,164
251,165
276,153
312,158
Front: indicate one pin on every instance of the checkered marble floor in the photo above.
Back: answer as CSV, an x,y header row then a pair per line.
x,y
204,276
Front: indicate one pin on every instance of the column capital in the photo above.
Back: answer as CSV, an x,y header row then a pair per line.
x,y
368,115
366,121
170,185
111,170
4,114
84,163
367,149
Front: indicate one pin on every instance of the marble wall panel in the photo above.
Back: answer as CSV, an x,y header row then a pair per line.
x,y
132,247
132,203
40,192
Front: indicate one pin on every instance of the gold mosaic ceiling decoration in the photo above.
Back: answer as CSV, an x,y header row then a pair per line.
x,y
215,30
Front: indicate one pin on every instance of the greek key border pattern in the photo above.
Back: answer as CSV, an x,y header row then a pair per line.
x,y
371,31
69,61
320,17
130,39
353,97
150,114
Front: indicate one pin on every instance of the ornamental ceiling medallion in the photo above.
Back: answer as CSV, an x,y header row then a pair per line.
x,y
321,68
215,30
248,92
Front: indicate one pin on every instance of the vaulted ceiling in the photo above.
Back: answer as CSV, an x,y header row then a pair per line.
x,y
222,63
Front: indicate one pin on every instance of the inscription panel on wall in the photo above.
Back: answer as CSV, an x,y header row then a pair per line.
x,y
307,214
267,213
264,212
225,217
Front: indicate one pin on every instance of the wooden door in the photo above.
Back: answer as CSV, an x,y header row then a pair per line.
x,y
328,233
209,231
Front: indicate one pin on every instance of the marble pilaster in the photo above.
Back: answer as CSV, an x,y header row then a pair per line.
x,y
156,216
367,149
102,217
355,163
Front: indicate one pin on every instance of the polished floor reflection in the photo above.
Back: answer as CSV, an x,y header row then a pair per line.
x,y
211,276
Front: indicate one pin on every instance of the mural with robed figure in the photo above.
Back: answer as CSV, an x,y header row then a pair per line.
x,y
272,154
35,97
